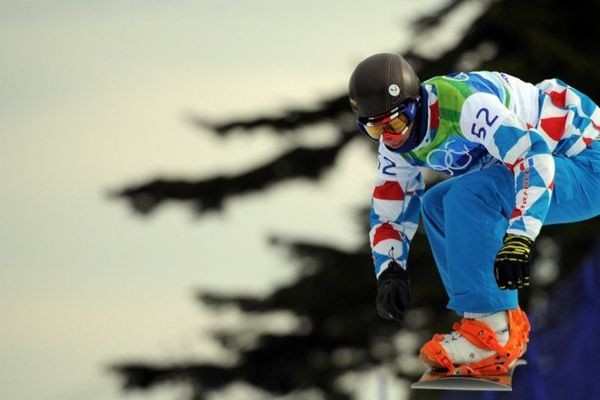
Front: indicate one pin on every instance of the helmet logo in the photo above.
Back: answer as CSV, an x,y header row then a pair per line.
x,y
394,90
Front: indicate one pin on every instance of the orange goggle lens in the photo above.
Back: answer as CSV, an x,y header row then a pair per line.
x,y
394,126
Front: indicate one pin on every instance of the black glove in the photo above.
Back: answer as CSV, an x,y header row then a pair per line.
x,y
512,262
393,293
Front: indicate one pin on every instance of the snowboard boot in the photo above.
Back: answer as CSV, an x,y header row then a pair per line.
x,y
489,345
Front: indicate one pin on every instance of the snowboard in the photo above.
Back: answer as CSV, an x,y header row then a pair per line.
x,y
432,380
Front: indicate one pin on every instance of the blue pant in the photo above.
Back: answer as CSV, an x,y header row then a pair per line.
x,y
466,218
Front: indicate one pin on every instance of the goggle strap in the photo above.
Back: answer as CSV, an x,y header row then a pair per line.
x,y
401,108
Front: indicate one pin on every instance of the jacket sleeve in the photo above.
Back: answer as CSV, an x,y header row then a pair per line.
x,y
395,209
522,149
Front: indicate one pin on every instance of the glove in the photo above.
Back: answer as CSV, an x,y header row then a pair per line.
x,y
393,293
512,262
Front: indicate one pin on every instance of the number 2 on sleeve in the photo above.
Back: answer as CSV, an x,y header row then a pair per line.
x,y
388,165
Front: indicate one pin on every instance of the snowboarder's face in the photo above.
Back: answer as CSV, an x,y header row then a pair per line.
x,y
394,140
393,128
395,125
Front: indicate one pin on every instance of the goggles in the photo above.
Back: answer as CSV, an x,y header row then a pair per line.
x,y
395,123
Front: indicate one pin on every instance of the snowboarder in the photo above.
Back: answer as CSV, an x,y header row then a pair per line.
x,y
519,156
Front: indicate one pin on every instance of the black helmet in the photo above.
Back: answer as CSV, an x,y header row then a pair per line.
x,y
380,83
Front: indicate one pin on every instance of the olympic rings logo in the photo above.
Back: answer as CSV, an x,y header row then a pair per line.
x,y
450,160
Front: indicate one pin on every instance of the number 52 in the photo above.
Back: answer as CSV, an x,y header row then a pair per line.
x,y
481,131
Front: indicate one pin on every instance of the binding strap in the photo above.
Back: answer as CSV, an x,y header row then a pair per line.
x,y
439,355
480,334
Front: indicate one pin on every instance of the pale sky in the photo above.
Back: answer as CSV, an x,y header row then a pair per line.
x,y
93,97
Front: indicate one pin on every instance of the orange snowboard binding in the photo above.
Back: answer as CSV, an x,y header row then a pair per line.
x,y
482,336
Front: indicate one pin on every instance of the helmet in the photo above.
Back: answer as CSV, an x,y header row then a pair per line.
x,y
381,83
